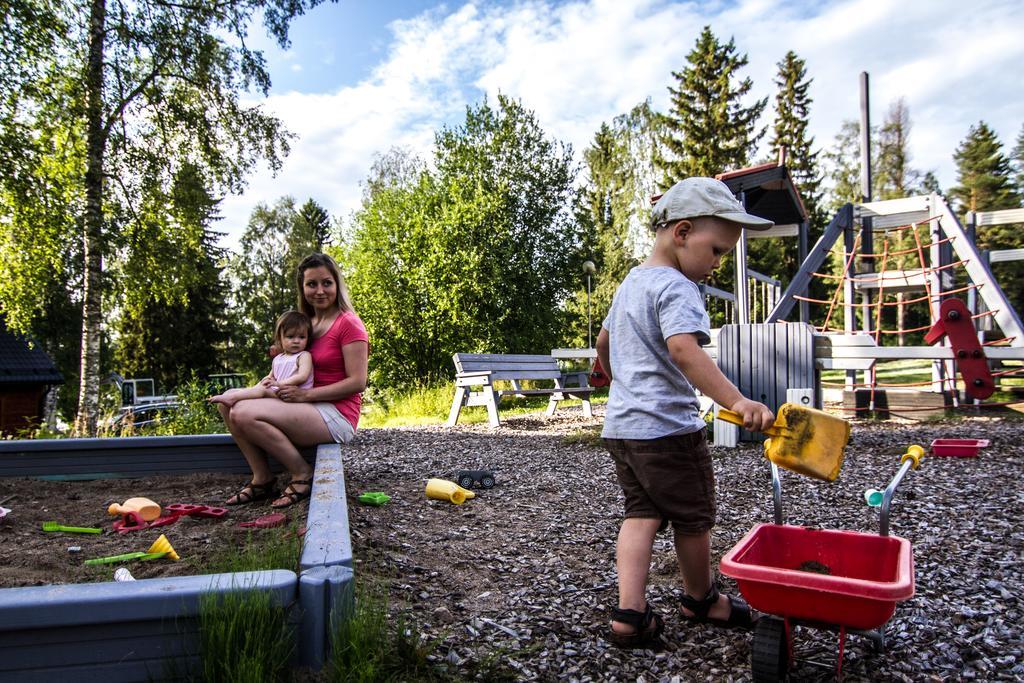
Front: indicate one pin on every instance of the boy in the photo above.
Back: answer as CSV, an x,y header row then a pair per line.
x,y
650,345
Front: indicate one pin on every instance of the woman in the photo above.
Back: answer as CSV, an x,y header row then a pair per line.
x,y
329,411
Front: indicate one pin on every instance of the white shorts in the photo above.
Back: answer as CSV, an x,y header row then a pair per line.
x,y
341,429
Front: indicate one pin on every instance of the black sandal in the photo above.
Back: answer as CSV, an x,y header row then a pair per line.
x,y
294,496
252,492
647,626
739,611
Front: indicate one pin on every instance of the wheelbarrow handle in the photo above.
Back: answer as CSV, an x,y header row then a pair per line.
x,y
735,418
914,453
909,460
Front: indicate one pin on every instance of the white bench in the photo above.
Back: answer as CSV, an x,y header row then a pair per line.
x,y
575,378
476,374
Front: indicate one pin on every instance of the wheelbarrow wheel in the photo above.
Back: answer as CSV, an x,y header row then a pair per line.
x,y
769,656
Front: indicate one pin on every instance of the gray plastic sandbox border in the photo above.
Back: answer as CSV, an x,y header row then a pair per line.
x,y
148,630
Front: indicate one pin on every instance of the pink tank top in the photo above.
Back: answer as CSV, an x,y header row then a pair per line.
x,y
285,365
329,361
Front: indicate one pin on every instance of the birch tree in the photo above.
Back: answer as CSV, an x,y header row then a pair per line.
x,y
117,96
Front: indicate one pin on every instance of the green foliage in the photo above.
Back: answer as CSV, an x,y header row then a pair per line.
x,y
777,257
41,197
588,436
930,184
984,173
475,256
317,224
792,117
244,636
709,129
985,183
844,166
263,550
891,174
164,336
615,212
102,107
367,646
1017,161
263,280
417,405
195,416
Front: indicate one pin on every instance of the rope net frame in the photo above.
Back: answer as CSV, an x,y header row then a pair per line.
x,y
925,273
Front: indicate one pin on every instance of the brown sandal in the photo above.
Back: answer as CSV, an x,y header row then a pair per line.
x,y
294,496
252,492
647,626
740,614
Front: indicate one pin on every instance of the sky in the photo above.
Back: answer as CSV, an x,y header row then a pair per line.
x,y
363,76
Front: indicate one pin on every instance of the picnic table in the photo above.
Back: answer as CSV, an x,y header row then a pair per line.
x,y
476,375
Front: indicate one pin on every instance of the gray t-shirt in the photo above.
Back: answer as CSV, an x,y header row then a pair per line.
x,y
649,396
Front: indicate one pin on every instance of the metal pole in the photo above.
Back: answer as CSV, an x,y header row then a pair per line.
x,y
589,268
867,236
805,311
741,287
590,343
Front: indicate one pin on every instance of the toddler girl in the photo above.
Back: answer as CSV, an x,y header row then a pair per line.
x,y
292,366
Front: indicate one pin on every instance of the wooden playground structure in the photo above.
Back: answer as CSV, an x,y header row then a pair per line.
x,y
780,359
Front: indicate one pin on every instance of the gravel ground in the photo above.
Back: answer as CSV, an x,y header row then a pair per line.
x,y
523,577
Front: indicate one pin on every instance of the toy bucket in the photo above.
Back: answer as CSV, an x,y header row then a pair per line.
x,y
442,489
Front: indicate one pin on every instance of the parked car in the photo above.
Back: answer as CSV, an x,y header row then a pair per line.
x,y
142,415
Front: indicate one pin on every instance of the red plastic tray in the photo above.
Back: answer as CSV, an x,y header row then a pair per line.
x,y
868,574
962,448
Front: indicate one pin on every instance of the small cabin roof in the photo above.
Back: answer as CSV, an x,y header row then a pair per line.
x,y
23,361
768,191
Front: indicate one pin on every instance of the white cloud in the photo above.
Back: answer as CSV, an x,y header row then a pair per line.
x,y
581,63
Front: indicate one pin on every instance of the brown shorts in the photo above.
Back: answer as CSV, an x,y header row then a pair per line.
x,y
670,478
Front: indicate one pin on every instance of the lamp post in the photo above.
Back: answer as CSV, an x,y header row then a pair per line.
x,y
589,268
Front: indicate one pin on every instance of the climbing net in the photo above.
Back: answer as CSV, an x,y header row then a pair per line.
x,y
885,268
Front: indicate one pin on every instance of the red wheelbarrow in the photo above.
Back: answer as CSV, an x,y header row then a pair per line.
x,y
845,581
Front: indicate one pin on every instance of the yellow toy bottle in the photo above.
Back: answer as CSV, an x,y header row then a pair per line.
x,y
144,507
442,489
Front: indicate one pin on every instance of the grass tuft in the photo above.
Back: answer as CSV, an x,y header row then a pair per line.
x,y
264,549
368,646
244,637
588,436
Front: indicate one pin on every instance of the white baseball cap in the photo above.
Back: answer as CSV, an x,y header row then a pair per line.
x,y
694,197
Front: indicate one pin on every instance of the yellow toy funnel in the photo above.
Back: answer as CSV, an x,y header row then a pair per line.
x,y
442,489
146,509
804,440
162,545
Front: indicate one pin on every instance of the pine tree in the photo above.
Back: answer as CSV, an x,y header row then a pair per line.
x,y
844,166
709,131
985,182
776,257
894,179
608,210
929,183
263,280
171,339
792,116
892,174
317,222
983,173
1018,161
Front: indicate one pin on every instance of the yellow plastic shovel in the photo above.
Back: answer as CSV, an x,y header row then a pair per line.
x,y
804,440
